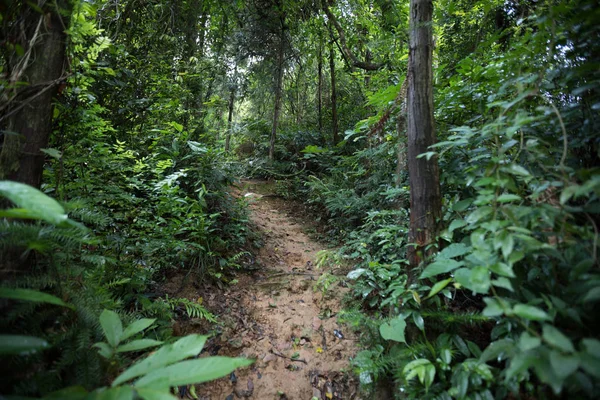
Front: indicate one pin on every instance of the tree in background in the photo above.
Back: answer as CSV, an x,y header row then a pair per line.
x,y
424,174
35,68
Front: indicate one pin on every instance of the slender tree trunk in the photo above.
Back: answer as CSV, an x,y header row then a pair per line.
x,y
320,83
425,194
334,115
278,88
29,116
230,118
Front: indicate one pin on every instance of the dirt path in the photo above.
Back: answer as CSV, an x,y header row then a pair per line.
x,y
276,317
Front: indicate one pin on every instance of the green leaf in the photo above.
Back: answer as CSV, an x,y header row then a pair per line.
x,y
192,372
22,345
528,341
557,339
530,312
478,214
35,203
503,283
422,368
507,198
137,345
111,326
439,286
563,365
394,329
590,364
188,346
519,364
151,394
592,346
454,250
480,280
418,320
136,327
104,350
493,307
498,349
32,295
52,153
592,295
116,393
457,223
517,170
357,273
502,269
440,267
462,205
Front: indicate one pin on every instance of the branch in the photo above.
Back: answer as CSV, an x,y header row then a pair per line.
x,y
367,66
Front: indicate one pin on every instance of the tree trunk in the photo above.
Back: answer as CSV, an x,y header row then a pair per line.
x,y
229,118
334,115
28,118
320,83
278,87
425,194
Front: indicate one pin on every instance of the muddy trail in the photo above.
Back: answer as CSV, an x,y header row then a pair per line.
x,y
277,315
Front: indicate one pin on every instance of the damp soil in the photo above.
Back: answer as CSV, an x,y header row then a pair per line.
x,y
275,312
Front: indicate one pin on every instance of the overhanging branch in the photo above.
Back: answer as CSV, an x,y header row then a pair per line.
x,y
367,66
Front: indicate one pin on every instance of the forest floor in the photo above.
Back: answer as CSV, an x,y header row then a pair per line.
x,y
277,316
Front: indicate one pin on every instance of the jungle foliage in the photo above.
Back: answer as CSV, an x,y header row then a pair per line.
x,y
504,301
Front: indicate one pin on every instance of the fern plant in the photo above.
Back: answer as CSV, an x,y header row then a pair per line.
x,y
192,309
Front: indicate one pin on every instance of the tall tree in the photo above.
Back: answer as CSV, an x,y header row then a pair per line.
x,y
320,82
334,113
278,79
424,178
35,70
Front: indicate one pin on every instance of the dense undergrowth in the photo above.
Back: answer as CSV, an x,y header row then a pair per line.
x,y
147,198
508,305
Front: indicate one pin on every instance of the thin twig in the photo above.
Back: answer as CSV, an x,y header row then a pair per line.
x,y
288,358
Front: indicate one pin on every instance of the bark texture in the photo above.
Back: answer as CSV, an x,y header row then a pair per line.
x,y
320,83
334,114
28,115
278,87
230,118
425,194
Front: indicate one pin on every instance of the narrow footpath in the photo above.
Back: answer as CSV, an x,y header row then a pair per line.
x,y
276,316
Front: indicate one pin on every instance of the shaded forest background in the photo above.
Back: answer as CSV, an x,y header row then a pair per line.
x,y
137,116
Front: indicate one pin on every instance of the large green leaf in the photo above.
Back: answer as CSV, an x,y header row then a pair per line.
x,y
19,344
185,347
116,393
137,345
499,349
563,364
32,295
112,327
137,327
454,250
394,329
440,267
557,339
35,204
530,312
152,394
192,371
